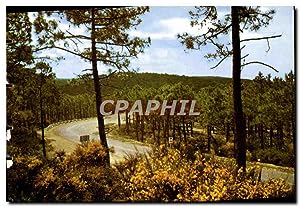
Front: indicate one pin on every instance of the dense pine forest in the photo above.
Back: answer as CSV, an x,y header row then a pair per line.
x,y
269,137
192,158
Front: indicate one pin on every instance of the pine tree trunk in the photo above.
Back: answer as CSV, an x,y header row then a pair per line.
x,y
153,129
142,128
42,117
119,120
179,132
184,130
101,127
250,127
280,135
173,128
127,122
237,100
261,136
164,124
208,138
227,132
168,126
271,136
158,132
137,126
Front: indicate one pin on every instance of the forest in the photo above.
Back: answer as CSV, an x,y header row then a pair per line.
x,y
244,125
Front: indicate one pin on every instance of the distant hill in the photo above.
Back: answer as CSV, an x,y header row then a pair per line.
x,y
120,80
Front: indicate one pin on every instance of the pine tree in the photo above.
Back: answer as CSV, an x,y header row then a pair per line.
x,y
106,32
215,27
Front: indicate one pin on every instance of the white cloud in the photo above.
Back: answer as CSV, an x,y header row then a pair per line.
x,y
169,29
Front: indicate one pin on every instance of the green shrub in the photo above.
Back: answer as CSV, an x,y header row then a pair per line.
x,y
275,156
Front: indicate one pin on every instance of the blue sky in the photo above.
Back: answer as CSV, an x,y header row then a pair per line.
x,y
167,55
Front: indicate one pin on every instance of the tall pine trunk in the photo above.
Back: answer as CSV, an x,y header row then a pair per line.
x,y
142,128
184,129
127,121
100,119
261,136
236,82
137,122
119,120
227,132
271,136
208,138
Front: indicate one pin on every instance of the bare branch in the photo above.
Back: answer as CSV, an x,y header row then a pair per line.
x,y
244,56
88,69
220,61
268,46
61,48
105,61
111,43
261,38
216,34
77,36
107,76
261,63
43,58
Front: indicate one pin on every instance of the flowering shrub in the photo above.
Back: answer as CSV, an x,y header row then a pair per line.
x,y
227,150
166,176
80,176
20,177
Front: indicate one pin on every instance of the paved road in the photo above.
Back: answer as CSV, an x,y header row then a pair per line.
x,y
268,173
72,131
69,134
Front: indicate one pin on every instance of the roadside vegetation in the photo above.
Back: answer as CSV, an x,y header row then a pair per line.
x,y
186,170
164,175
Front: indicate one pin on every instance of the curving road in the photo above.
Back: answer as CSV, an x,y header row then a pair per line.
x,y
66,136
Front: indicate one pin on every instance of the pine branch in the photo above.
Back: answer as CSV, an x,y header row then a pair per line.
x,y
88,69
105,61
261,38
77,36
244,56
220,61
216,34
107,76
61,48
261,63
268,46
111,43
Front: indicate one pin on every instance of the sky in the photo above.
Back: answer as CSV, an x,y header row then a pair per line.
x,y
167,55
